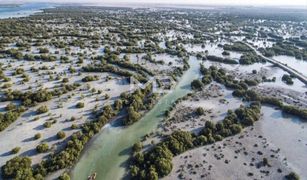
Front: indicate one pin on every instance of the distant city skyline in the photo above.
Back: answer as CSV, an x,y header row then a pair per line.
x,y
204,2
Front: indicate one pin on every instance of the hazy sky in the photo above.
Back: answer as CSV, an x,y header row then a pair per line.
x,y
209,2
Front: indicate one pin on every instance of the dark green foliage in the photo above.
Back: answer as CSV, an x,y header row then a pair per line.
x,y
42,95
42,109
160,156
113,69
225,53
65,80
42,148
287,79
18,168
90,78
9,117
37,136
43,50
200,111
61,135
283,48
250,58
138,101
137,147
197,84
80,105
292,176
16,150
64,176
253,96
221,60
237,46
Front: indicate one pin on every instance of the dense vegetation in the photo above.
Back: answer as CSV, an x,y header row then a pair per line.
x,y
157,162
221,60
237,46
283,48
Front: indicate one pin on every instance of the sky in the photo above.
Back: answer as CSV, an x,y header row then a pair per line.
x,y
205,2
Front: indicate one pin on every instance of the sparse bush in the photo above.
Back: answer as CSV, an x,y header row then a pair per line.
x,y
60,135
200,111
42,110
37,136
47,124
15,150
80,105
42,148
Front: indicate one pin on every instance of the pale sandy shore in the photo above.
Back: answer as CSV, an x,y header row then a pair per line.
x,y
238,157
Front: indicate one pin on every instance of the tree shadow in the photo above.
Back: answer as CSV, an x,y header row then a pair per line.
x,y
6,154
28,139
52,138
29,114
29,153
40,127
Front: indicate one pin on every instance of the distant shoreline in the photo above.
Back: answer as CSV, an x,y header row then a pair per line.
x,y
22,10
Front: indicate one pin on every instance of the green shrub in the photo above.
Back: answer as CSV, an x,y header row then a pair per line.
x,y
137,147
42,148
42,110
200,111
197,85
37,136
18,168
292,176
90,78
65,80
16,150
80,105
60,135
47,124
64,176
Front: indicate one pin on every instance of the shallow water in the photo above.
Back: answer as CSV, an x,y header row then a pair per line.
x,y
288,133
22,10
110,149
297,64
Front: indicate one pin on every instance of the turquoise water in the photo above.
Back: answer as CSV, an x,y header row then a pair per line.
x,y
109,151
23,9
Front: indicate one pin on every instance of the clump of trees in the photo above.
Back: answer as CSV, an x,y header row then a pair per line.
x,y
76,143
115,70
221,60
43,50
42,148
18,168
61,135
287,79
197,85
42,110
64,176
42,95
251,95
284,48
90,78
157,162
9,117
250,58
140,100
292,176
237,46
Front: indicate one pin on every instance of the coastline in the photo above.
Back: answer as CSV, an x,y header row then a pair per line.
x,y
23,10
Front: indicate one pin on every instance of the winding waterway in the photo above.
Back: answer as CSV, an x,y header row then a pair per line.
x,y
111,148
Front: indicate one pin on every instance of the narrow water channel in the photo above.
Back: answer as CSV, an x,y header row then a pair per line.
x,y
110,149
